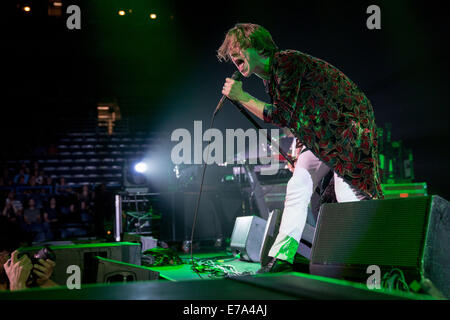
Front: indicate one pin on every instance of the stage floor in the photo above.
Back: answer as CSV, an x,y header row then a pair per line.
x,y
184,272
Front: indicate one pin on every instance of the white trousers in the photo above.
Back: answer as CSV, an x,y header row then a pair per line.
x,y
308,173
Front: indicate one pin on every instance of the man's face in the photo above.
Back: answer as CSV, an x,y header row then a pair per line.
x,y
245,60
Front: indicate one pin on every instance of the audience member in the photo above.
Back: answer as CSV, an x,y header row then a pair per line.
x,y
51,218
33,222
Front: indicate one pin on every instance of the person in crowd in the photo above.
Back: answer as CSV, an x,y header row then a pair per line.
x,y
24,173
33,221
15,202
11,212
86,217
51,218
49,181
21,182
72,226
85,195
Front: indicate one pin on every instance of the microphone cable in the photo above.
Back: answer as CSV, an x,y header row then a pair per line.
x,y
198,200
236,76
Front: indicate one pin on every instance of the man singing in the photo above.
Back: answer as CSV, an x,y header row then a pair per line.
x,y
326,112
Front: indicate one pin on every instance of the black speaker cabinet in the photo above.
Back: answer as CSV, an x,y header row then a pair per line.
x,y
410,234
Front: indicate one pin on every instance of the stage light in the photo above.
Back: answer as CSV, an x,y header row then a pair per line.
x,y
141,167
121,12
26,9
153,16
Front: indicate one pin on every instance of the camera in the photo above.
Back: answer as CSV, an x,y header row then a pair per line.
x,y
45,253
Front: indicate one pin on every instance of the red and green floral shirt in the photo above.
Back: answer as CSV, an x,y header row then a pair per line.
x,y
327,113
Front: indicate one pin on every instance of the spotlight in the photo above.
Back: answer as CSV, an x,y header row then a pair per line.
x,y
141,167
153,16
121,12
26,9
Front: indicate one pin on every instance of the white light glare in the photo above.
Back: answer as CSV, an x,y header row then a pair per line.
x,y
141,167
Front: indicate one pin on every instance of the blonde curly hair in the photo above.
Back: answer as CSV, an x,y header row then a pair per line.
x,y
244,36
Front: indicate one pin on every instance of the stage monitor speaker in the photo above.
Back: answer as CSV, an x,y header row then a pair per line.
x,y
116,271
436,258
390,233
84,256
247,237
271,232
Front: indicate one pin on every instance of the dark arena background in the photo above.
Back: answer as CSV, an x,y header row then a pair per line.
x,y
93,94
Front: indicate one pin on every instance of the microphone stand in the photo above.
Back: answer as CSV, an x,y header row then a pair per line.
x,y
269,139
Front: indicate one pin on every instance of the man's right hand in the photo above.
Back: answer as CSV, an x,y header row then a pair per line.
x,y
18,271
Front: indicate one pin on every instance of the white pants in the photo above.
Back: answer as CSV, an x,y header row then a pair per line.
x,y
308,173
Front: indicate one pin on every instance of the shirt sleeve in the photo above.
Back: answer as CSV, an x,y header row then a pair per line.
x,y
287,77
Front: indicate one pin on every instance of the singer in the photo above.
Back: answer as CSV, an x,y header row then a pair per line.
x,y
325,111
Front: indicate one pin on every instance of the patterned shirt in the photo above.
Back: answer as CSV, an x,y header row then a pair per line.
x,y
327,113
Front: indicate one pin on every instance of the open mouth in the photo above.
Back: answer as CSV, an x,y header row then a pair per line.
x,y
239,63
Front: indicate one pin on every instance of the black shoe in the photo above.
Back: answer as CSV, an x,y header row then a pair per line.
x,y
275,266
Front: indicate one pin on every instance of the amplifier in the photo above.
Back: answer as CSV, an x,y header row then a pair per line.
x,y
404,190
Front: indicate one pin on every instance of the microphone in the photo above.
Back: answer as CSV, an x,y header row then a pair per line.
x,y
236,76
